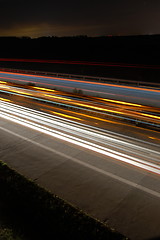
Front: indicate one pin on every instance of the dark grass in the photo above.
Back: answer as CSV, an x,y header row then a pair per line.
x,y
37,214
8,234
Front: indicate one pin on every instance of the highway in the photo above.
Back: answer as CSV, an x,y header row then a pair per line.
x,y
144,96
99,152
112,177
103,108
85,116
81,136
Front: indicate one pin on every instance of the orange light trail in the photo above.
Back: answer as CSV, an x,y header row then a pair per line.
x,y
154,138
81,81
85,105
90,116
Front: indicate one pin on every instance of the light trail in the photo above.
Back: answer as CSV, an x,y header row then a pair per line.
x,y
91,103
3,82
4,99
72,81
44,89
21,92
91,99
47,117
86,137
103,64
99,100
151,116
120,102
4,87
65,115
56,97
89,116
135,95
97,108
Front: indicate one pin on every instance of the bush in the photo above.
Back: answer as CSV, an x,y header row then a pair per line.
x,y
77,91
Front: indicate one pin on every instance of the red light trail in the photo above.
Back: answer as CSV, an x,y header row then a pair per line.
x,y
102,64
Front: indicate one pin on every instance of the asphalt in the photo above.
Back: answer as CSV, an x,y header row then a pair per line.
x,y
124,196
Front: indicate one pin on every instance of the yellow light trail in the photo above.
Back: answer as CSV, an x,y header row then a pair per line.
x,y
98,108
62,98
121,102
65,115
151,116
113,111
84,105
88,116
13,90
2,82
104,120
4,99
92,117
21,92
45,89
108,100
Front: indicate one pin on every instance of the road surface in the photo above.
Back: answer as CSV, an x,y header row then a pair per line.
x,y
111,177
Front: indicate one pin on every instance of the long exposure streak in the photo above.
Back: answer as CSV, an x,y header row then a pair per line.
x,y
48,125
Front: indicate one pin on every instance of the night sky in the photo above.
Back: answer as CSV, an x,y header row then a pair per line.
x,y
36,18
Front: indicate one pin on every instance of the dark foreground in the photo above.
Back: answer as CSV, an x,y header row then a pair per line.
x,y
34,213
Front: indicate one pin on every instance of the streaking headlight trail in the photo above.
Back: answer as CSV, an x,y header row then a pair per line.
x,y
82,136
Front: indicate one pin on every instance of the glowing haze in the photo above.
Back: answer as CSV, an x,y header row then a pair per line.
x,y
83,17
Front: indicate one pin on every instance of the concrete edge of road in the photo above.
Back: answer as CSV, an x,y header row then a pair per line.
x,y
46,215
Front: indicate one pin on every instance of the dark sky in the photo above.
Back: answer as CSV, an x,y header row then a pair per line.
x,y
79,17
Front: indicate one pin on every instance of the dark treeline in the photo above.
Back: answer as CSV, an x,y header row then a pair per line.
x,y
128,49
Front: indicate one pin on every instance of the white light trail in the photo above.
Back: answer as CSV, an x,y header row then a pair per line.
x,y
35,120
70,126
